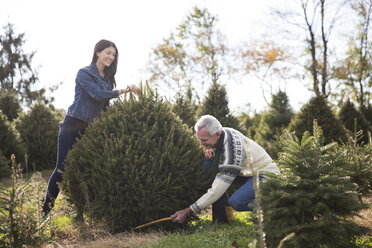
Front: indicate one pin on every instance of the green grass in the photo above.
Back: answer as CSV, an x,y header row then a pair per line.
x,y
239,233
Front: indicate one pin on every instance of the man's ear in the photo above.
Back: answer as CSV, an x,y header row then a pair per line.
x,y
218,135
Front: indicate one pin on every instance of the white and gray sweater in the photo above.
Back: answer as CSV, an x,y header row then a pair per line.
x,y
237,152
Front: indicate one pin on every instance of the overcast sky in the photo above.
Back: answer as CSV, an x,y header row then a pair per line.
x,y
63,34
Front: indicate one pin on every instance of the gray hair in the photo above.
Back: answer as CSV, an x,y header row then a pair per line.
x,y
210,123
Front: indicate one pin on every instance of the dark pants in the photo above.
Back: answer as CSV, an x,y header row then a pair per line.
x,y
70,129
240,200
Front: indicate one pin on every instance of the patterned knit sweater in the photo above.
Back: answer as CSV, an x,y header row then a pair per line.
x,y
235,157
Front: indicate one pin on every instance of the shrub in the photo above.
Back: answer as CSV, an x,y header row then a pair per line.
x,y
39,130
136,163
310,198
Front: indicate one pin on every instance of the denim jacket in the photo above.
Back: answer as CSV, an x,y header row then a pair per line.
x,y
92,91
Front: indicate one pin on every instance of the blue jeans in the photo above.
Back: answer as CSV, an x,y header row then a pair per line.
x,y
70,129
240,200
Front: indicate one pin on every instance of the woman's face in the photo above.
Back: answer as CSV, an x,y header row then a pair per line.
x,y
106,56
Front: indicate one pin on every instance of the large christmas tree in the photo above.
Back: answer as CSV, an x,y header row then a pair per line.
x,y
134,164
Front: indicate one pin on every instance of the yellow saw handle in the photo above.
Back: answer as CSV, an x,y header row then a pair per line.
x,y
153,222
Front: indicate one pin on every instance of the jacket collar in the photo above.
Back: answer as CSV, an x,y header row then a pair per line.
x,y
92,68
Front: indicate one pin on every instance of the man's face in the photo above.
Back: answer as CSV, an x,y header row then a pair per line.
x,y
206,140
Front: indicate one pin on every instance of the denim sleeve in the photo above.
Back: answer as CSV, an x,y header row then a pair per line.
x,y
85,81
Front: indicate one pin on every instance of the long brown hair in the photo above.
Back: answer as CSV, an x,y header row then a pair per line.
x,y
100,46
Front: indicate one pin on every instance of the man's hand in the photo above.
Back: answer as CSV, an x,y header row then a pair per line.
x,y
181,215
209,153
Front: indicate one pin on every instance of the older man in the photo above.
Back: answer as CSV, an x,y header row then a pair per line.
x,y
228,152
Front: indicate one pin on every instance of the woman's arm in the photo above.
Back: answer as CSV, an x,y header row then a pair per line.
x,y
84,79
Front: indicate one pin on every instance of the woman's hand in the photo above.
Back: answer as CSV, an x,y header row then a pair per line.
x,y
132,88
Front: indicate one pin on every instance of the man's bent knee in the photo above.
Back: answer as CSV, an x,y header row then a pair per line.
x,y
239,205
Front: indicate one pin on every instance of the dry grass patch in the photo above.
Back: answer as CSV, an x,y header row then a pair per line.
x,y
96,238
125,240
366,215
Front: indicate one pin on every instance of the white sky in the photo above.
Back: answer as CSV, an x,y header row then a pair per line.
x,y
63,34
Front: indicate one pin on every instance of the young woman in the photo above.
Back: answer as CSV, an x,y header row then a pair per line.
x,y
93,91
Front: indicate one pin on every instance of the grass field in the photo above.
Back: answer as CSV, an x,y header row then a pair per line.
x,y
62,231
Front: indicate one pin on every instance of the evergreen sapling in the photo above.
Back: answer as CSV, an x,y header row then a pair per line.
x,y
310,198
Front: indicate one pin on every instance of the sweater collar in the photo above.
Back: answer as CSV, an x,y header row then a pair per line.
x,y
219,144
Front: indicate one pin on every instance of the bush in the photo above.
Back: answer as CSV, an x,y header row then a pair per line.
x,y
39,130
136,163
310,198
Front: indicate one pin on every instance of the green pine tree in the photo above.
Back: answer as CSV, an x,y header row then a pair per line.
x,y
19,220
9,104
367,112
319,109
185,110
4,166
39,130
310,197
250,123
217,104
359,166
273,122
136,163
10,143
354,121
